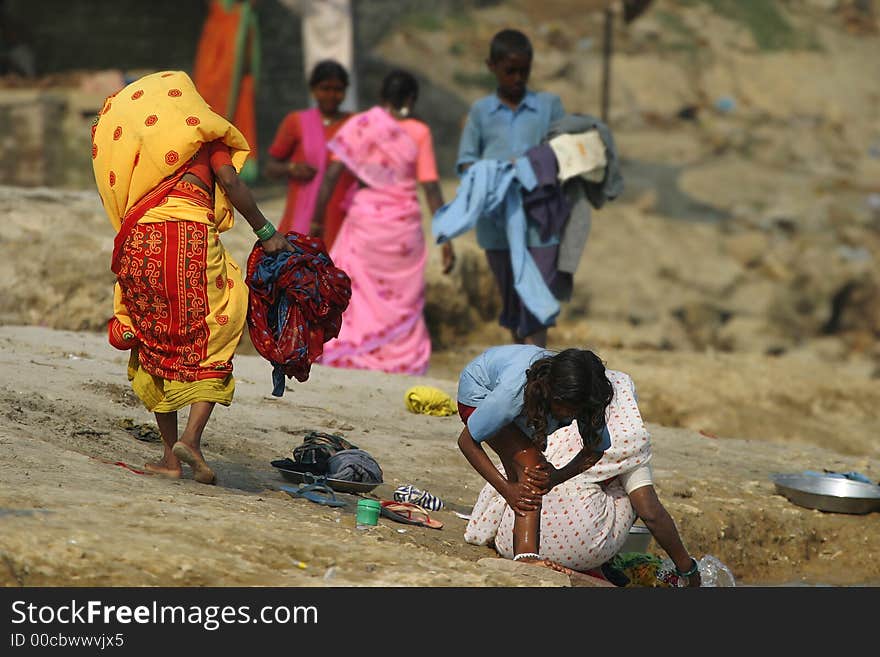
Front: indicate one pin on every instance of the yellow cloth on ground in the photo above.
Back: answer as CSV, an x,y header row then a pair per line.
x,y
427,400
147,131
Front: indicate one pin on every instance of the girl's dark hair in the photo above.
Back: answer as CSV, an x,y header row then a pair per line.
x,y
397,87
328,69
574,377
509,42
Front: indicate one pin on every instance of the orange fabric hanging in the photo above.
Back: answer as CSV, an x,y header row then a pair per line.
x,y
215,56
245,119
224,66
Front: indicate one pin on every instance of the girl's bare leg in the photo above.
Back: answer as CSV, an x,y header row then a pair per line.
x,y
527,528
516,452
169,464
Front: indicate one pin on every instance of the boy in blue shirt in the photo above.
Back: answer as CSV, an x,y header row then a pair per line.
x,y
503,126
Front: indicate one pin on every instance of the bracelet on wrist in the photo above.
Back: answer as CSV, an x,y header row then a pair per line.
x,y
524,555
266,231
695,568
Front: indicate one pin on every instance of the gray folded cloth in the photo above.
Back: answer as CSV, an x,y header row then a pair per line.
x,y
581,194
354,465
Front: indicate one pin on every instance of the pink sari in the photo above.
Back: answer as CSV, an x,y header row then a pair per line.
x,y
315,150
382,248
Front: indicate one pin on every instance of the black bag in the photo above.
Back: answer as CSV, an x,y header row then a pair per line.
x,y
316,450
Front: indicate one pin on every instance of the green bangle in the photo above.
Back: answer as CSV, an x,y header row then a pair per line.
x,y
266,231
693,571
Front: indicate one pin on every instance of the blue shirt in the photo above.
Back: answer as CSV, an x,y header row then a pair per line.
x,y
491,190
494,382
494,131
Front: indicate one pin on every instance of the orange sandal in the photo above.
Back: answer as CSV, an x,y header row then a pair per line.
x,y
408,514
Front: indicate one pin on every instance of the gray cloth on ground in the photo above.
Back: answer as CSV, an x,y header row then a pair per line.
x,y
354,465
582,194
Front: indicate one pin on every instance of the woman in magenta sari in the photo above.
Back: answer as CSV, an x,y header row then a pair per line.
x,y
381,245
299,154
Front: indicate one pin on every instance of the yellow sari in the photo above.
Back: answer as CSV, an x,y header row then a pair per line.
x,y
180,302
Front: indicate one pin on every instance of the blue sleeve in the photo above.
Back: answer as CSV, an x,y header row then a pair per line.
x,y
470,148
605,441
497,410
556,109
604,437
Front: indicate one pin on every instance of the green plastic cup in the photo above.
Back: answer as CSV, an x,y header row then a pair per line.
x,y
368,513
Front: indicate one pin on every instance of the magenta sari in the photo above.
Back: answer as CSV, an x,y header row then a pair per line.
x,y
382,248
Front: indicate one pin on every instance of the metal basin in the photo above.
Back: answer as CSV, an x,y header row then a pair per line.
x,y
638,539
827,493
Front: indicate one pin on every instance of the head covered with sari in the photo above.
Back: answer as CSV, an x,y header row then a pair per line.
x,y
143,137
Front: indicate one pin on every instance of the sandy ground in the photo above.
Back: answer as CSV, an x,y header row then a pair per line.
x,y
736,281
70,517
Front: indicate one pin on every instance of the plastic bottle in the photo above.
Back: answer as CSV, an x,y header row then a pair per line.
x,y
713,573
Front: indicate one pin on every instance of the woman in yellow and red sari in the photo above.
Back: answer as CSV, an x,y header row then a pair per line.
x,y
166,167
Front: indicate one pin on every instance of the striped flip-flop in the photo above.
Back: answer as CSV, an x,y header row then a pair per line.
x,y
424,499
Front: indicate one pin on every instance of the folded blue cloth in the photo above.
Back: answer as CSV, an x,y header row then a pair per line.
x,y
853,476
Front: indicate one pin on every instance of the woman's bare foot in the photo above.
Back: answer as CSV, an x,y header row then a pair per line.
x,y
162,467
202,472
552,565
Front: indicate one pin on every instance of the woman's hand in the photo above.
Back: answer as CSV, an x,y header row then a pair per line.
x,y
276,244
542,477
448,257
301,171
522,498
694,581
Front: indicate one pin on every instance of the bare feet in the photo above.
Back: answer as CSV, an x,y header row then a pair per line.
x,y
162,467
575,577
546,563
202,472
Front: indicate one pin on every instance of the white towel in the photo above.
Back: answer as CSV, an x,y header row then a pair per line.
x,y
580,154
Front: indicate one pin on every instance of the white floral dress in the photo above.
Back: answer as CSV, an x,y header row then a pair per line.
x,y
585,520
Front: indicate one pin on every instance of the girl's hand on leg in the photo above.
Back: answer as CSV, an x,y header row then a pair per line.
x,y
540,477
522,498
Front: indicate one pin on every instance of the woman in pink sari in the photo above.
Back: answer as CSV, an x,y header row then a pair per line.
x,y
299,154
381,245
